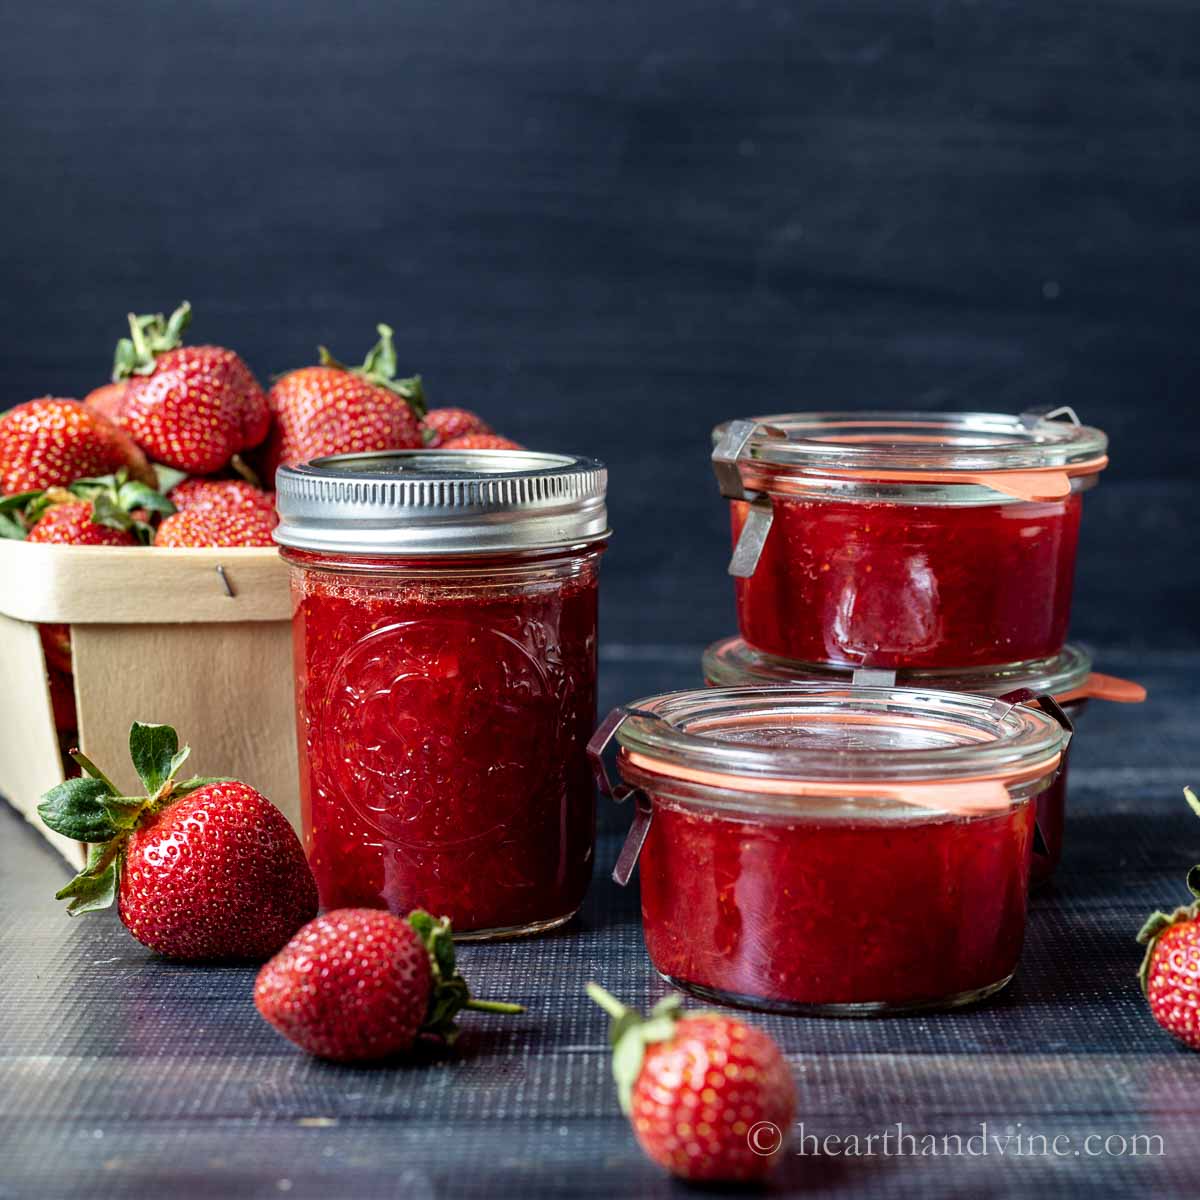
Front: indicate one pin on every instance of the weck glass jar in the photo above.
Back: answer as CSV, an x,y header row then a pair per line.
x,y
906,539
1068,677
444,619
832,849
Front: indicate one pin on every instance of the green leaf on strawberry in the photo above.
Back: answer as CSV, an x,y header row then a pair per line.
x,y
12,509
196,782
450,993
11,528
168,478
150,335
133,494
78,809
92,809
95,887
156,754
630,1034
16,502
117,502
379,368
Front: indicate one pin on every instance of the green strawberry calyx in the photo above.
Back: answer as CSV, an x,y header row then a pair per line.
x,y
631,1034
379,368
91,808
150,335
449,993
117,501
13,524
1159,922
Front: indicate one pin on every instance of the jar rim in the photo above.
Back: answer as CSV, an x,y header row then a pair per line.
x,y
439,502
918,447
733,662
839,734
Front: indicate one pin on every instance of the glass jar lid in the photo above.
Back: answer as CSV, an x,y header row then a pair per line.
x,y
417,502
733,662
1027,457
786,739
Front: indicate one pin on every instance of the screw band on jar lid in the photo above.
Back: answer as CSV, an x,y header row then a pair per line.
x,y
418,502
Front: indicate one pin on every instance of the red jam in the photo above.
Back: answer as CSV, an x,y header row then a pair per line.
x,y
892,912
443,713
911,585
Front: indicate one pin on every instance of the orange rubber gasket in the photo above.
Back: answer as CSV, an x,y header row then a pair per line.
x,y
969,794
1032,483
1106,687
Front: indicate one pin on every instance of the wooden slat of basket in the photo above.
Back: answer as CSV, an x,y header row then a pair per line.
x,y
30,763
106,584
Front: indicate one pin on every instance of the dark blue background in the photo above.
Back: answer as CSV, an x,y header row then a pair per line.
x,y
609,225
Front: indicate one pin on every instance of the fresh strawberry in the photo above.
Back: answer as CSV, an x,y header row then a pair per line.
x,y
217,527
108,510
442,424
201,869
359,984
1170,971
108,399
56,646
191,407
710,1098
52,442
333,409
227,495
59,518
481,441
74,524
62,700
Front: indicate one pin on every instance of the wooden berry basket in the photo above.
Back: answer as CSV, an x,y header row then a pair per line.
x,y
156,635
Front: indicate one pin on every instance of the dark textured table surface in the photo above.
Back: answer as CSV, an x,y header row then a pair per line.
x,y
122,1075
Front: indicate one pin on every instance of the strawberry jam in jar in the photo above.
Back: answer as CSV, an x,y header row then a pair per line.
x,y
1067,677
444,620
914,540
832,849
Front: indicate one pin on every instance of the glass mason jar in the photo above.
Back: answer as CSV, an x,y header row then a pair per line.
x,y
832,849
444,618
906,539
1068,677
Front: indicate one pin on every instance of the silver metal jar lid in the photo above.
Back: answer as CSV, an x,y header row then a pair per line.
x,y
417,502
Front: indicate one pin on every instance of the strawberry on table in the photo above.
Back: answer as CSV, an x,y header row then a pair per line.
x,y
1170,971
199,869
359,984
710,1098
191,407
481,441
227,527
52,441
442,424
334,409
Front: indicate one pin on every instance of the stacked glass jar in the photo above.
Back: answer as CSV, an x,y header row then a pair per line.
x,y
849,820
